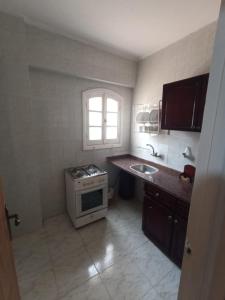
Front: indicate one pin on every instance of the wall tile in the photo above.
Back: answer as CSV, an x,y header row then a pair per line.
x,y
57,122
17,156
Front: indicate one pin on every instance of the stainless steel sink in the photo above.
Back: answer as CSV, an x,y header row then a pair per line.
x,y
145,169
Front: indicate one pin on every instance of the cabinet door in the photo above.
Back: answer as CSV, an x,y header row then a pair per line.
x,y
178,240
200,104
178,104
157,224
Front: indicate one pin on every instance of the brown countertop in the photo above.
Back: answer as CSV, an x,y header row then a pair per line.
x,y
167,179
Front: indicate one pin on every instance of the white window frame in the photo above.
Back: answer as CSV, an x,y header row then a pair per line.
x,y
103,143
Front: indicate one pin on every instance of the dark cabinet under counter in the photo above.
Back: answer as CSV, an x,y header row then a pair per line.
x,y
164,221
157,224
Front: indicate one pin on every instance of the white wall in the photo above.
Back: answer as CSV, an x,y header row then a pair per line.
x,y
40,114
55,52
17,154
57,118
188,57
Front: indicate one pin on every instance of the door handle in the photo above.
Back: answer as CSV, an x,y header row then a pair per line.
x,y
187,247
16,218
170,218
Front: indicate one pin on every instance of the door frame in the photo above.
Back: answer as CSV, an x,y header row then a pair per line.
x,y
200,278
9,289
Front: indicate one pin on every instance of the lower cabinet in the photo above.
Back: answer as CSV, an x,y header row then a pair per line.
x,y
164,224
178,240
157,224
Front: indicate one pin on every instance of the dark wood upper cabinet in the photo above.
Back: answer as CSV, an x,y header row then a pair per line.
x,y
183,104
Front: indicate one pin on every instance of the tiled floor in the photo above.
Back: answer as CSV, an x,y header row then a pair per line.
x,y
107,260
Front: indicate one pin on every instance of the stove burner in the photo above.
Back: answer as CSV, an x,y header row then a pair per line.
x,y
92,170
85,171
78,172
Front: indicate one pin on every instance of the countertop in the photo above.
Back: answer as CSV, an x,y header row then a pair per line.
x,y
167,179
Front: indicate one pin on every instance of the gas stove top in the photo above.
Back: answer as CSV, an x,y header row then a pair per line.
x,y
85,171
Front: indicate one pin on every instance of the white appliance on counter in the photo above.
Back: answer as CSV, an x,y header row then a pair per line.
x,y
86,194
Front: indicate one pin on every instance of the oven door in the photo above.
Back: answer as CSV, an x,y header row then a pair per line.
x,y
91,200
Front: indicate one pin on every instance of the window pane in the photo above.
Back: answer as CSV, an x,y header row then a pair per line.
x,y
112,105
111,133
95,133
95,118
112,119
95,103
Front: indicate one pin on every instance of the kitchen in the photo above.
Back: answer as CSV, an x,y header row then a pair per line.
x,y
49,125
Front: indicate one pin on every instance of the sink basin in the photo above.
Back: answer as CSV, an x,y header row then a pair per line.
x,y
145,169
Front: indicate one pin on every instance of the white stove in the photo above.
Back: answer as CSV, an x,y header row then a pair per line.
x,y
86,194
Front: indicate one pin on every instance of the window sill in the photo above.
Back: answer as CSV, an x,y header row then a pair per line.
x,y
105,146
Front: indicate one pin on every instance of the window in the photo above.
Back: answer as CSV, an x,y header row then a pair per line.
x,y
101,119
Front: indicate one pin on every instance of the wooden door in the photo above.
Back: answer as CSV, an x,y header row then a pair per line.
x,y
8,281
178,240
157,224
203,269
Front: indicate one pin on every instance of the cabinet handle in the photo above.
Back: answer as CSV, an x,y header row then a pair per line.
x,y
170,218
175,221
156,194
187,247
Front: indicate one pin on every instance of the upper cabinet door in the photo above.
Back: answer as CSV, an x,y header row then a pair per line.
x,y
183,104
200,104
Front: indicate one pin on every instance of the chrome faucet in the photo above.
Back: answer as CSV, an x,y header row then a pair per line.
x,y
154,153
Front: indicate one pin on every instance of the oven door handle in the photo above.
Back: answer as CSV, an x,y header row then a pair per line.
x,y
99,187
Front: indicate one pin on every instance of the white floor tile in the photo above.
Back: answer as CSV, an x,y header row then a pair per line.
x,y
124,281
93,289
95,231
72,270
151,295
105,256
168,287
108,259
40,287
58,224
31,255
152,262
64,243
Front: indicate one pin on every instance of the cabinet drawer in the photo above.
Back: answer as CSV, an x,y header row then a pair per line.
x,y
152,190
160,196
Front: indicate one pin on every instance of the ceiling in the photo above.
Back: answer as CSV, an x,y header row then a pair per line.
x,y
132,28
